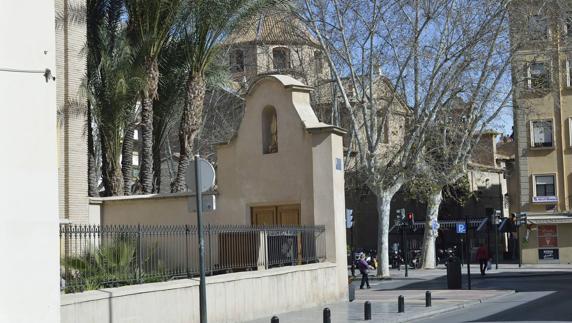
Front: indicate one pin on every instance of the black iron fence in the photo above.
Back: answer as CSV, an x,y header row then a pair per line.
x,y
95,257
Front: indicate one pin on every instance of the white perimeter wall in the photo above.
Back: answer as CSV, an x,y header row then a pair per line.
x,y
231,298
28,168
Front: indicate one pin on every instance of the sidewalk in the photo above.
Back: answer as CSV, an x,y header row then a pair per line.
x,y
383,297
384,293
384,305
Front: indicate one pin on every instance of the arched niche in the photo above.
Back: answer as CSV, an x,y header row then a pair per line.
x,y
269,130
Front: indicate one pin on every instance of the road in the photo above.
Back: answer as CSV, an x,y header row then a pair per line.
x,y
542,298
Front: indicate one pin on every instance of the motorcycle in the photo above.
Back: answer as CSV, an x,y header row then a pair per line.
x,y
415,259
444,255
396,259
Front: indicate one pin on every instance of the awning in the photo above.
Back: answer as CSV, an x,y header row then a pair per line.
x,y
549,219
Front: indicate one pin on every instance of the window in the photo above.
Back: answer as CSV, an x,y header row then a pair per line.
x,y
545,185
135,159
281,58
537,76
237,60
537,27
269,131
318,61
544,189
541,131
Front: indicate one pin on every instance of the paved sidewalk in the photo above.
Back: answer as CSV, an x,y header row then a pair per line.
x,y
384,305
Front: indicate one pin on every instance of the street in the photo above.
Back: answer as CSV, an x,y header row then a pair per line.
x,y
542,296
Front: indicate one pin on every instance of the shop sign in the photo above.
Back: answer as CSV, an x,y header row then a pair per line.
x,y
544,199
548,254
547,236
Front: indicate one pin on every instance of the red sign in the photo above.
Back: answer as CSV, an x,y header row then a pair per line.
x,y
547,236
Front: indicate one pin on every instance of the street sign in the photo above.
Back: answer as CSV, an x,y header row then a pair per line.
x,y
435,225
461,228
207,174
349,218
208,203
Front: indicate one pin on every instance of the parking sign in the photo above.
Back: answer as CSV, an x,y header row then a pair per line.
x,y
461,228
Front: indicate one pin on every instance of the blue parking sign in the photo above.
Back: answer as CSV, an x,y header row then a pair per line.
x,y
461,228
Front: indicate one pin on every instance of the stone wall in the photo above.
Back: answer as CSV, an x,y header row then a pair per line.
x,y
233,297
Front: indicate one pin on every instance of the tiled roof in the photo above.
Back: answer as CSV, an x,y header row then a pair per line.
x,y
273,28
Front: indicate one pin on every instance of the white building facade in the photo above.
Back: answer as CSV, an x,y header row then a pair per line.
x,y
29,242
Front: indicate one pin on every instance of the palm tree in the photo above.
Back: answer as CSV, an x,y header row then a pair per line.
x,y
112,85
205,24
168,106
149,25
113,88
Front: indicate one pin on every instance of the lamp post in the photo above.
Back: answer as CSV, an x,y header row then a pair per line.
x,y
497,217
202,285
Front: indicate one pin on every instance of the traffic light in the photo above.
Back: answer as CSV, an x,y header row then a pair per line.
x,y
410,219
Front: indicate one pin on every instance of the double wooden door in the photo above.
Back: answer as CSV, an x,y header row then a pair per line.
x,y
276,215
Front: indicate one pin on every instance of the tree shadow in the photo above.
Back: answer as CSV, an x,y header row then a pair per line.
x,y
556,306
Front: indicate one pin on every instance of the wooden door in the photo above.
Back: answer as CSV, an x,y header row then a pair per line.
x,y
264,215
288,214
273,215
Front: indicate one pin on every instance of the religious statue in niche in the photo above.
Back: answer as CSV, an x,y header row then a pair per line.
x,y
269,131
273,146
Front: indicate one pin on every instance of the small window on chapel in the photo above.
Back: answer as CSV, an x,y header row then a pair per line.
x,y
269,131
237,61
281,58
318,61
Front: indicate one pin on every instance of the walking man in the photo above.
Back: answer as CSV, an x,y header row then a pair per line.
x,y
363,267
483,258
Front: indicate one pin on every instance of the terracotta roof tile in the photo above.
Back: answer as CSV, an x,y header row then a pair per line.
x,y
273,28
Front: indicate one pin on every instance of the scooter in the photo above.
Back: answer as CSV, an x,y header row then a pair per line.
x,y
415,261
396,259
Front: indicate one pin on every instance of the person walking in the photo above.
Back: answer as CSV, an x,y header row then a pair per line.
x,y
483,258
363,267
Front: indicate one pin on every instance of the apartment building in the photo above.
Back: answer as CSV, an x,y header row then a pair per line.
x,y
541,33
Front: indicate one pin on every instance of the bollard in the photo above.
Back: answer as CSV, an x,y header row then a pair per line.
x,y
367,311
327,315
427,299
401,304
274,319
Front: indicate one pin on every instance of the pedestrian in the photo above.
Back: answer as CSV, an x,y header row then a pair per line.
x,y
363,267
483,258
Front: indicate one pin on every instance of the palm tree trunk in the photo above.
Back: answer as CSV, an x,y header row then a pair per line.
x,y
146,172
157,168
127,160
191,121
110,170
91,159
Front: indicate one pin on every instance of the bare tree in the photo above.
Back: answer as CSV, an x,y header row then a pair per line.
x,y
425,50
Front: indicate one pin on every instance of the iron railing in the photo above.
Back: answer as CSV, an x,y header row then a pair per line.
x,y
95,257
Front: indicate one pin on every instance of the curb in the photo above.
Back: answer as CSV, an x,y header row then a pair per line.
x,y
512,275
454,307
